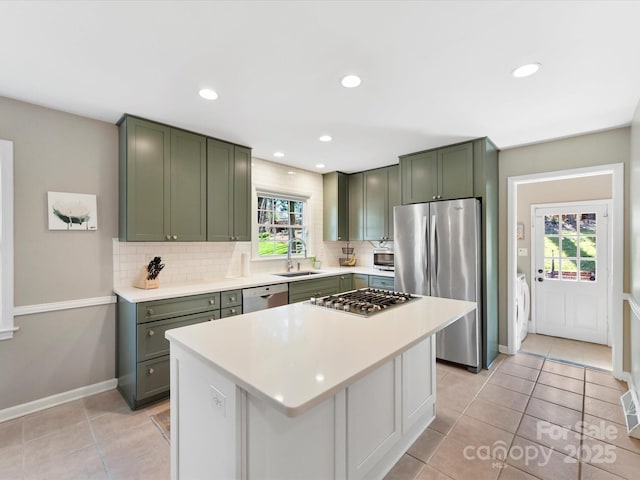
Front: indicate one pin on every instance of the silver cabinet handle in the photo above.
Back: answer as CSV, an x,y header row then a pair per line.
x,y
233,310
151,333
151,371
232,299
168,237
149,311
212,302
174,237
433,198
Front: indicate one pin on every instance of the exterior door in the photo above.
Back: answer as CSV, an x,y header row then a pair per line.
x,y
570,271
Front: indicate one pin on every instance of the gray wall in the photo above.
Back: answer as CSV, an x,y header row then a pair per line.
x,y
611,146
59,351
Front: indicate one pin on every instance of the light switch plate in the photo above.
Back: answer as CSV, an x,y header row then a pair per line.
x,y
523,252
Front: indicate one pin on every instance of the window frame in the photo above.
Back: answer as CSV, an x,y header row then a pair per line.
x,y
7,327
256,226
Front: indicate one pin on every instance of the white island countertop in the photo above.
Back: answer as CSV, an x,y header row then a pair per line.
x,y
136,295
296,356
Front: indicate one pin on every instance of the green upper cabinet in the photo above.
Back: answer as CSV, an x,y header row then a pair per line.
x,y
381,194
229,192
162,182
441,174
356,206
335,206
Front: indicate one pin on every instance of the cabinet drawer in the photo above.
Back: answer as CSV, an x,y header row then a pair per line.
x,y
153,377
385,283
230,311
174,307
231,298
151,341
303,290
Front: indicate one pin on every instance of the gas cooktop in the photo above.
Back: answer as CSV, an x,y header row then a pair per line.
x,y
363,302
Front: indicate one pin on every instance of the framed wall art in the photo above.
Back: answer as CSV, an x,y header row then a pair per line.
x,y
72,211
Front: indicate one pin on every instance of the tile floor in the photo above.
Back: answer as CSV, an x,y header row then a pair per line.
x,y
523,420
585,353
525,405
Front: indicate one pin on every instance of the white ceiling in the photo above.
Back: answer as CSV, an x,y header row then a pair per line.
x,y
433,73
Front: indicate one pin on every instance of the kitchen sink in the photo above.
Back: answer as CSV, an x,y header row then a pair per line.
x,y
297,274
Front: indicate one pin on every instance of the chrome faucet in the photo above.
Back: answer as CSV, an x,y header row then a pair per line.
x,y
291,242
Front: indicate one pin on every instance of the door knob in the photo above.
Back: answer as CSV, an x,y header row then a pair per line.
x,y
540,279
539,270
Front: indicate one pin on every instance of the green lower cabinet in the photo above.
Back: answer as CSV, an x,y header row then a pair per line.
x,y
303,290
384,283
345,282
360,280
142,349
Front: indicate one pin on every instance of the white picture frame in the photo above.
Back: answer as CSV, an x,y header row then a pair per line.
x,y
72,211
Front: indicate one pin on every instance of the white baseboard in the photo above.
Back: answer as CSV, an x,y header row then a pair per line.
x,y
503,349
57,399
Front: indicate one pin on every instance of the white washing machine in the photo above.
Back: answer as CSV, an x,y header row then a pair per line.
x,y
523,307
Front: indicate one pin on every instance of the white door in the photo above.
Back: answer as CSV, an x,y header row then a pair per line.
x,y
570,271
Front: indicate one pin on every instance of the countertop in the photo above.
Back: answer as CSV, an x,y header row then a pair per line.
x,y
136,295
296,356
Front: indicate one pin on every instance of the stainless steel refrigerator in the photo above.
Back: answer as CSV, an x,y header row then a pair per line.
x,y
437,253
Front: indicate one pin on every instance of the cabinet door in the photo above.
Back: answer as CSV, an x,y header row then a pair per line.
x,y
345,283
241,197
188,187
335,209
145,154
394,197
376,185
383,283
455,171
418,382
356,206
419,177
360,281
219,191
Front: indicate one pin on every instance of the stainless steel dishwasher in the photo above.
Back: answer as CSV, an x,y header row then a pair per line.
x,y
259,298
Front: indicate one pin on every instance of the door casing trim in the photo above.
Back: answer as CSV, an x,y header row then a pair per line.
x,y
616,225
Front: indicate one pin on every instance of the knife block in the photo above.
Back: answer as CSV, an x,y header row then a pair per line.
x,y
144,282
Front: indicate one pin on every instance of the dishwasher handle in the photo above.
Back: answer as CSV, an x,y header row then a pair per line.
x,y
268,296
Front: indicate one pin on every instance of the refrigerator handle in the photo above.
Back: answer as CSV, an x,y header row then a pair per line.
x,y
434,248
425,256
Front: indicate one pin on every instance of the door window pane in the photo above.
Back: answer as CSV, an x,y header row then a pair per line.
x,y
568,269
588,223
587,247
569,223
551,225
570,247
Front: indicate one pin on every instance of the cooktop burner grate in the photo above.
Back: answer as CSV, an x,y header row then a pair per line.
x,y
364,302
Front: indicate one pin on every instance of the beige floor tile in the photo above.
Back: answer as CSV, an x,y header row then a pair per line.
x,y
454,459
11,433
606,379
568,353
564,369
475,433
604,363
541,461
112,424
455,398
611,395
445,418
130,453
102,403
589,472
506,398
539,344
606,410
562,382
407,468
510,382
526,360
560,439
53,419
520,371
79,465
425,445
154,466
512,473
11,462
558,396
156,407
64,442
496,415
429,473
613,459
556,414
610,432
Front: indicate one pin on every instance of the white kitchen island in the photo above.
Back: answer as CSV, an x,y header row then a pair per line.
x,y
302,392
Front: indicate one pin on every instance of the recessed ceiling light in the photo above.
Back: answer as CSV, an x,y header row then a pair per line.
x,y
350,81
208,94
320,165
290,172
278,154
526,70
325,138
